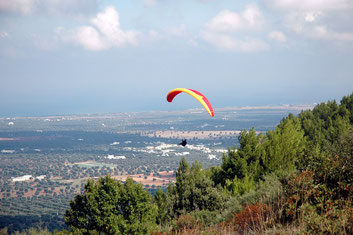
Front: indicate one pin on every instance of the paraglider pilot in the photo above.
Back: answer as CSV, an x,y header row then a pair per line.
x,y
183,142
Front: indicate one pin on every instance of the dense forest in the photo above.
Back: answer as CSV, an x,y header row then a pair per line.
x,y
296,178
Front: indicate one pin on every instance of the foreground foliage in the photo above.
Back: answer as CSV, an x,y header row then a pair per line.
x,y
111,207
311,156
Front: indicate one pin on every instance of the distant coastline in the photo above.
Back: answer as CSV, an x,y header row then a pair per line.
x,y
295,107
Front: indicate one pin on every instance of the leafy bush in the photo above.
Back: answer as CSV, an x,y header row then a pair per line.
x,y
193,191
34,231
268,192
283,147
185,222
206,218
253,217
109,207
317,204
277,152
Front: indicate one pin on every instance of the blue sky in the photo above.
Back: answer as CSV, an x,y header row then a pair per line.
x,y
95,56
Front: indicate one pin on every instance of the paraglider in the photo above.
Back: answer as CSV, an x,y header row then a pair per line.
x,y
197,95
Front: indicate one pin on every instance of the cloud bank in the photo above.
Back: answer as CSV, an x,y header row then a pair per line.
x,y
231,31
104,32
61,7
316,20
252,28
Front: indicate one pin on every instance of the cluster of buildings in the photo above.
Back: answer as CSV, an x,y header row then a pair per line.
x,y
27,177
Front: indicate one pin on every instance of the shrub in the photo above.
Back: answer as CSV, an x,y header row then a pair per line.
x,y
253,217
268,192
318,205
206,218
109,207
185,222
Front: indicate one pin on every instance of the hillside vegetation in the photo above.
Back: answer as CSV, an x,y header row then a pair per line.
x,y
296,178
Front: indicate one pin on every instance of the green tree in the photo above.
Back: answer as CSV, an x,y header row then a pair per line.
x,y
284,147
347,107
111,207
327,121
241,168
161,200
323,126
194,191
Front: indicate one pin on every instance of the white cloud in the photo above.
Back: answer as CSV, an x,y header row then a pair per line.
x,y
17,6
316,19
153,35
321,32
165,34
223,30
104,32
229,21
317,27
66,7
230,43
89,38
277,36
310,5
312,16
108,23
149,2
4,34
178,31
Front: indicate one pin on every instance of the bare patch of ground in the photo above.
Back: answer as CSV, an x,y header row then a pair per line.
x,y
163,179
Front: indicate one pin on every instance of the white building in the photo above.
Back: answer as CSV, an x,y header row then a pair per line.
x,y
110,156
22,178
41,177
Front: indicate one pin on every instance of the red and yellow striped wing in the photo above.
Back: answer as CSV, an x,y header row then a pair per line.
x,y
197,95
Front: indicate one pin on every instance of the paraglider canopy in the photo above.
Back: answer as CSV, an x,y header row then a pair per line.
x,y
197,95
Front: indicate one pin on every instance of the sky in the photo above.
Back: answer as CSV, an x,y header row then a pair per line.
x,y
60,57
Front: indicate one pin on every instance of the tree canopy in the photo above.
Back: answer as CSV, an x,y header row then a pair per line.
x,y
111,207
